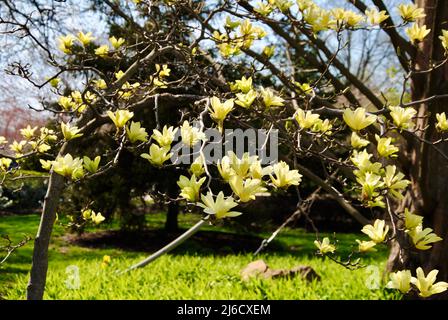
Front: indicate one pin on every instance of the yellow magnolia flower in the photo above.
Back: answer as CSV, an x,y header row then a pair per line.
x,y
66,43
136,132
256,171
158,82
385,147
322,126
303,87
157,155
87,214
244,85
369,182
163,71
190,187
411,220
197,167
116,43
46,164
120,117
361,159
375,17
66,103
68,166
246,28
323,21
47,134
366,246
246,189
220,110
306,119
422,238
347,17
377,232
358,120
128,90
325,246
28,132
400,280
97,218
91,165
241,166
102,51
85,38
166,137
119,74
376,202
263,8
227,50
219,207
39,146
410,12
70,132
191,135
100,84
270,99
426,285
3,140
444,39
442,123
357,142
245,100
402,117
77,97
5,163
416,33
352,19
283,5
283,177
17,147
305,4
395,182
269,51
318,18
231,24
224,168
55,82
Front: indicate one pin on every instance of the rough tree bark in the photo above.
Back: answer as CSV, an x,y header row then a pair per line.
x,y
426,167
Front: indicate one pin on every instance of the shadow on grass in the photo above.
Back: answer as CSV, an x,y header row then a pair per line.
x,y
202,243
206,242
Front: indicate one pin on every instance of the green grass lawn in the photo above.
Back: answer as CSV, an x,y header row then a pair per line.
x,y
190,272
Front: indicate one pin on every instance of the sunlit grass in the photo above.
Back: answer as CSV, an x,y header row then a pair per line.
x,y
186,273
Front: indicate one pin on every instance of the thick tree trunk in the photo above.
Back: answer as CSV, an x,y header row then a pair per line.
x,y
427,168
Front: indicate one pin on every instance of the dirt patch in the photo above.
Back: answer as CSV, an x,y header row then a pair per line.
x,y
152,240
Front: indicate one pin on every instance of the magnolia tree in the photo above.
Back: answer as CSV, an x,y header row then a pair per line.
x,y
382,152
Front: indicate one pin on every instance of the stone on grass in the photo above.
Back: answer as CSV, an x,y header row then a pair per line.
x,y
259,268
